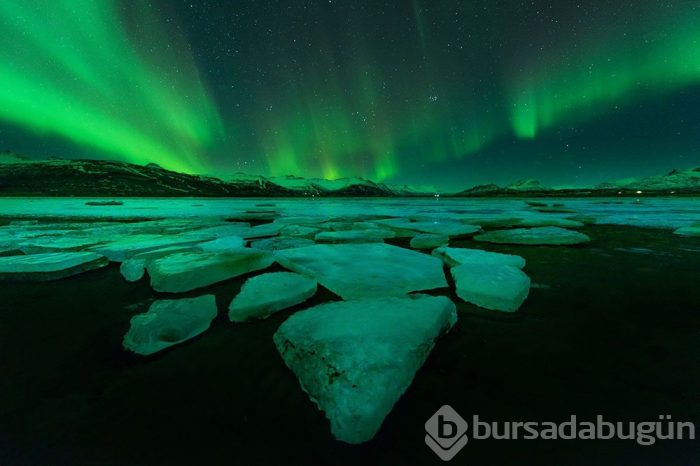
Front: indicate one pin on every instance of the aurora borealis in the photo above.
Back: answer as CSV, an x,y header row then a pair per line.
x,y
73,70
446,93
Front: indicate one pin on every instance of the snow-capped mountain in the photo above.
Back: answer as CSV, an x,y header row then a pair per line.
x,y
348,186
517,188
688,179
527,185
64,177
61,177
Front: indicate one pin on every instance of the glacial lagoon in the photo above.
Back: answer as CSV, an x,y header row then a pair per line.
x,y
122,342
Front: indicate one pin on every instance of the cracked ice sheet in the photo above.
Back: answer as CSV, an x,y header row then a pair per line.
x,y
670,213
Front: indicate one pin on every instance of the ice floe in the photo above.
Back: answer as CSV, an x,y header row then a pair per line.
x,y
180,272
169,322
405,228
356,358
261,231
491,286
300,231
458,256
226,243
129,246
134,268
541,235
301,220
532,222
281,242
347,225
205,233
48,266
354,236
429,241
268,293
529,221
693,230
57,244
365,270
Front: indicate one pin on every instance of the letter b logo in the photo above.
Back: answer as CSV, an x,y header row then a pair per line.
x,y
446,433
446,429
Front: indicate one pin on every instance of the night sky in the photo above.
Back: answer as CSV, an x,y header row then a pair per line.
x,y
446,93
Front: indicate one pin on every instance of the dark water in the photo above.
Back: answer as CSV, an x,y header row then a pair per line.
x,y
610,328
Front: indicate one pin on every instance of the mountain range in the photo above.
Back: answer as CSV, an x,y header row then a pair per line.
x,y
103,178
682,182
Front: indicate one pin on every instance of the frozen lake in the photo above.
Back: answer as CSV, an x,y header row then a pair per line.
x,y
183,316
645,212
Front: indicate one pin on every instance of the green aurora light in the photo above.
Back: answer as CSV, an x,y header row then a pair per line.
x,y
88,79
606,76
118,78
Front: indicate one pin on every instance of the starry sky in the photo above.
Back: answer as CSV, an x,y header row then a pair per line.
x,y
433,92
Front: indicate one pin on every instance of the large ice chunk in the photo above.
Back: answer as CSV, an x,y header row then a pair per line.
x,y
223,244
365,270
48,266
134,268
262,231
458,256
529,221
216,231
348,225
300,231
57,244
496,287
543,235
281,242
187,271
549,222
693,230
301,220
354,236
405,228
124,248
169,322
356,358
266,294
492,221
429,241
